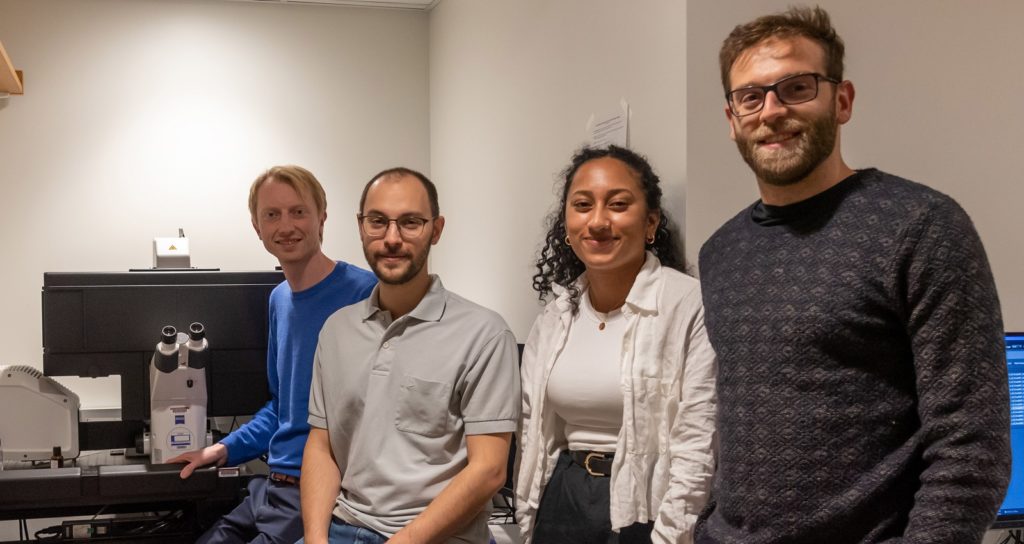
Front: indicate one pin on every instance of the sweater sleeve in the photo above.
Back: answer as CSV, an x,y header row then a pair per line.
x,y
955,330
253,439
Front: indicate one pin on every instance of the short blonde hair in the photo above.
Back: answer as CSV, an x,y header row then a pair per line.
x,y
296,177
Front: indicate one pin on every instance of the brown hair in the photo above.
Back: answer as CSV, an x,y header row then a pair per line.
x,y
296,177
812,23
401,171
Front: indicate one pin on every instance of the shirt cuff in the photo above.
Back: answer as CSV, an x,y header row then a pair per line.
x,y
490,426
317,421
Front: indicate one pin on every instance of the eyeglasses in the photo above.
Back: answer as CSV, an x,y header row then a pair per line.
x,y
376,226
791,90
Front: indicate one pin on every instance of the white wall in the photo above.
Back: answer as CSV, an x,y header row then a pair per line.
x,y
512,85
142,116
938,101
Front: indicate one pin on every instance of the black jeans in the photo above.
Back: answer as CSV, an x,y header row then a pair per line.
x,y
575,510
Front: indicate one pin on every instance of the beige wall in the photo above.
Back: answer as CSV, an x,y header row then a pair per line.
x,y
142,116
938,101
512,85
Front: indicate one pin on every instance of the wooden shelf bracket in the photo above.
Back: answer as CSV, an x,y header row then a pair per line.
x,y
11,81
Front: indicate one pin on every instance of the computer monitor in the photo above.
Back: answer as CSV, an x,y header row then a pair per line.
x,y
106,324
1011,513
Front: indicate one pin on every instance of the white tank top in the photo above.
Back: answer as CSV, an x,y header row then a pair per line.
x,y
584,387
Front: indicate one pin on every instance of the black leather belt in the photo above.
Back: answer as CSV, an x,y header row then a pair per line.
x,y
597,463
287,479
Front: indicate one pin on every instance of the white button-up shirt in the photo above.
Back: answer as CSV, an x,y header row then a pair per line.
x,y
664,455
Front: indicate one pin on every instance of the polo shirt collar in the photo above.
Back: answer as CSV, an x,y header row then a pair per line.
x,y
430,308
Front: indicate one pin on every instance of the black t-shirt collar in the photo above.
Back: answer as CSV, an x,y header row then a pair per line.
x,y
767,215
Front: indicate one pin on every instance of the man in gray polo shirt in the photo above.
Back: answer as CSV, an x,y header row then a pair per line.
x,y
415,392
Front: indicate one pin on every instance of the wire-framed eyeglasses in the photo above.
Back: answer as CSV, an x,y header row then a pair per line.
x,y
376,225
790,90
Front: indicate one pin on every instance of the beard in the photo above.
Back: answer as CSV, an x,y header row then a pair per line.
x,y
397,276
817,139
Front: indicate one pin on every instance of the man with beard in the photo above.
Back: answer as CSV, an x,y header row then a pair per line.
x,y
862,381
415,392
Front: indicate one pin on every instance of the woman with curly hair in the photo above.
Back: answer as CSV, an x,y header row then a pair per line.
x,y
618,374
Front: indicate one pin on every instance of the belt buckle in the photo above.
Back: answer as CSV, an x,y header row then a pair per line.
x,y
586,463
283,478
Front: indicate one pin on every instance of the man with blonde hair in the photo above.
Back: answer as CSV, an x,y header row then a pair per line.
x,y
288,208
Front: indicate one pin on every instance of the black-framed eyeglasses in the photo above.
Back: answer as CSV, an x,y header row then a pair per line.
x,y
376,225
790,90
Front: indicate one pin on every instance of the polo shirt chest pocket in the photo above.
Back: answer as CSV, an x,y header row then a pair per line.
x,y
422,407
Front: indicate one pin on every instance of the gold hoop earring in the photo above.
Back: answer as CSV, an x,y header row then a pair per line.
x,y
567,240
650,241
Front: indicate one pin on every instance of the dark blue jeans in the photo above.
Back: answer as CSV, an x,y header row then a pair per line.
x,y
343,533
270,514
575,509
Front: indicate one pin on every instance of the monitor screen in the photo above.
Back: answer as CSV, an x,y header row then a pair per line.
x,y
1011,513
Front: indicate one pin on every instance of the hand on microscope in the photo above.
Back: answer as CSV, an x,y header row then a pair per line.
x,y
217,453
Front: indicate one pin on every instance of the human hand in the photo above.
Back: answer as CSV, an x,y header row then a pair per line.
x,y
217,453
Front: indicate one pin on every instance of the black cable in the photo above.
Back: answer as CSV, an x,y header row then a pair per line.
x,y
1012,537
504,513
162,522
55,532
158,524
98,512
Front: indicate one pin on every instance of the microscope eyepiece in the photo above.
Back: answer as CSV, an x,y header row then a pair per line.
x,y
165,358
198,354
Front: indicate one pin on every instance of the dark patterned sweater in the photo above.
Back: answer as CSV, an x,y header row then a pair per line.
x,y
862,378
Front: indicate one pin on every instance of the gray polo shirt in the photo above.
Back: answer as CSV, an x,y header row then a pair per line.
x,y
399,397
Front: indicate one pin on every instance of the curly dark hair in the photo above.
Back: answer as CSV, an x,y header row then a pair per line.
x,y
558,264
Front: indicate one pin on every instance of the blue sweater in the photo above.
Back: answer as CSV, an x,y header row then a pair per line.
x,y
281,426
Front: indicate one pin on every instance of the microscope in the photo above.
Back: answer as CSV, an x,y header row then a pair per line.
x,y
177,381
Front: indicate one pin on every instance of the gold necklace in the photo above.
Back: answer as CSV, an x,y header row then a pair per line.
x,y
600,318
